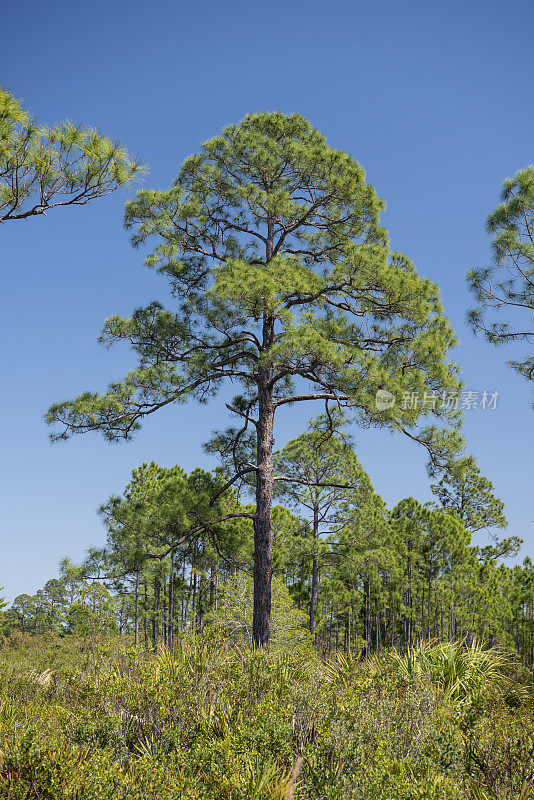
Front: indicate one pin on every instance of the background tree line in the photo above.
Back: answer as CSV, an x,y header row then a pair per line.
x,y
349,572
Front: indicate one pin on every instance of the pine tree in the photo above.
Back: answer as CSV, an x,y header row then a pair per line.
x,y
42,168
362,563
161,511
72,578
508,285
319,471
3,604
429,541
466,492
285,284
24,612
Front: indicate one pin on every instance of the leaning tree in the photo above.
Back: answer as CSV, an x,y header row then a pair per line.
x,y
285,285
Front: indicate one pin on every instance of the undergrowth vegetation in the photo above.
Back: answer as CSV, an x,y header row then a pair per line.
x,y
216,720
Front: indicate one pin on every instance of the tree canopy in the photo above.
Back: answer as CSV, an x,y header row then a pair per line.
x,y
469,494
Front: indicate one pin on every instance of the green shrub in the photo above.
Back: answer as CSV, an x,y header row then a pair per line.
x,y
215,720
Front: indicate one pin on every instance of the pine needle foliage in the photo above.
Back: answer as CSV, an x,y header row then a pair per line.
x,y
508,284
44,167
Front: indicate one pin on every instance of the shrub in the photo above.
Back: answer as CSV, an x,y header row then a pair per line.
x,y
215,720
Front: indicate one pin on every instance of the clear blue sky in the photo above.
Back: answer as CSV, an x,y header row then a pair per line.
x,y
434,99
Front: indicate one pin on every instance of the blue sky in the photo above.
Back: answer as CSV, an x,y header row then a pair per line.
x,y
433,99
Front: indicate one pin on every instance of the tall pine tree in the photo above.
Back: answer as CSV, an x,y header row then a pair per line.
x,y
285,284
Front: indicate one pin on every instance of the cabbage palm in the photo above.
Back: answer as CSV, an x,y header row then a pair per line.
x,y
461,670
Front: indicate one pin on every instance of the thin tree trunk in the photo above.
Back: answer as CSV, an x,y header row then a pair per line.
x,y
171,604
377,626
194,602
315,573
523,635
200,605
145,615
422,610
429,598
367,590
136,622
410,597
213,586
155,618
165,614
121,616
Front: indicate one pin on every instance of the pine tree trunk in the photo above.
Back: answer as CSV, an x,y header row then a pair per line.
x,y
164,625
171,604
185,610
145,615
136,623
429,596
194,603
315,573
155,617
422,611
410,596
121,617
263,536
367,589
377,625
212,585
200,604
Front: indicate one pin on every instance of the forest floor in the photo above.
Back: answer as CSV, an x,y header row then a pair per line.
x,y
82,720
